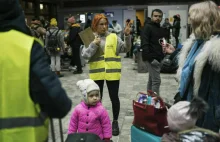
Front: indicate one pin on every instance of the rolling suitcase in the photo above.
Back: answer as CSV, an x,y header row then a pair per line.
x,y
138,135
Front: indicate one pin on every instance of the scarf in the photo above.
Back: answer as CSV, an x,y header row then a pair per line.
x,y
187,71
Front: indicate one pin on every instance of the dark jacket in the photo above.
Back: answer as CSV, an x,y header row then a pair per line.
x,y
205,80
176,28
149,42
74,38
45,87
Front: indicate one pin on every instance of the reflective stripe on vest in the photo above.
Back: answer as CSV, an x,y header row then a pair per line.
x,y
10,123
107,67
20,119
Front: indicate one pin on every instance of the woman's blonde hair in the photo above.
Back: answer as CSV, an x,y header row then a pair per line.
x,y
205,19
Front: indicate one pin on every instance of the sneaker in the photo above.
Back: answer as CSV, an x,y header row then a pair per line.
x,y
72,68
115,128
77,72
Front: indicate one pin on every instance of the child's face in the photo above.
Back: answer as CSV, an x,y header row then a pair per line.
x,y
93,98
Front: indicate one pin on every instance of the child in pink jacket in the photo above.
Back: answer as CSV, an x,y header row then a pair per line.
x,y
90,116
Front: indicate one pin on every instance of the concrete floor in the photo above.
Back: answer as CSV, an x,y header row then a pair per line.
x,y
131,83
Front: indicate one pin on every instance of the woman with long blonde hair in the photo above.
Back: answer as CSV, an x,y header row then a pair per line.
x,y
199,62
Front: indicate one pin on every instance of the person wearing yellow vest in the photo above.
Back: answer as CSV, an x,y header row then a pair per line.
x,y
107,67
29,92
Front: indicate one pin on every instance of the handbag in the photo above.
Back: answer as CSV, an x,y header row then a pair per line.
x,y
149,118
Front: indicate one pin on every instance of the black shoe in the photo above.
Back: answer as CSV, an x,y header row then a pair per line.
x,y
77,72
60,75
126,57
115,128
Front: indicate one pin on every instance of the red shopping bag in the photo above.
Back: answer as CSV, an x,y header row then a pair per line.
x,y
149,118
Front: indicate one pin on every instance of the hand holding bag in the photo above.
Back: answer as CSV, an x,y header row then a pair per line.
x,y
149,118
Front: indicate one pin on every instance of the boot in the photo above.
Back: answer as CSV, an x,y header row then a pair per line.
x,y
59,74
115,128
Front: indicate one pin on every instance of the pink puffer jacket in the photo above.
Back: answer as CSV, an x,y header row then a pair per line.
x,y
90,119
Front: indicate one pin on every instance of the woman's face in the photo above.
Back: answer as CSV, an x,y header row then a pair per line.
x,y
102,26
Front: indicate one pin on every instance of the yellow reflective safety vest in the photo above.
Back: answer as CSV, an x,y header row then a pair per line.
x,y
108,66
20,118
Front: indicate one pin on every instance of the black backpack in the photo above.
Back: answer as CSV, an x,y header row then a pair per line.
x,y
52,40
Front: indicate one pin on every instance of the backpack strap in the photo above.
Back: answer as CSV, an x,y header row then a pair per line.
x,y
50,33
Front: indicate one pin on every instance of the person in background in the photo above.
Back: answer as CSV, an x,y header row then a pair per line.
x,y
54,44
75,42
176,28
37,29
198,72
107,67
116,28
37,92
167,26
88,22
152,50
130,23
138,24
90,116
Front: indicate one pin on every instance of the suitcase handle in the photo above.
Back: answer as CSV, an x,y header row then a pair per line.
x,y
53,131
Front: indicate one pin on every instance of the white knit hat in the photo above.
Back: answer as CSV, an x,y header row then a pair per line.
x,y
183,115
87,86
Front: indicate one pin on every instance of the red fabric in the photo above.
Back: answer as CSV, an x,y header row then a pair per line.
x,y
149,118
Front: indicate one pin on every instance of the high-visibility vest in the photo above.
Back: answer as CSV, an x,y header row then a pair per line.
x,y
108,66
21,120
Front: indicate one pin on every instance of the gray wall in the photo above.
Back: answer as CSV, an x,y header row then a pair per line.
x,y
118,15
118,12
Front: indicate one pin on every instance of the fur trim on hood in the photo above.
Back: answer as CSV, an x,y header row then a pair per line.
x,y
210,53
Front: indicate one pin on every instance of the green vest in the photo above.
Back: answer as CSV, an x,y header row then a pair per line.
x,y
107,67
21,119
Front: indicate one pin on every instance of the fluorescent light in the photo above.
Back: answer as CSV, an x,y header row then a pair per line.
x,y
41,6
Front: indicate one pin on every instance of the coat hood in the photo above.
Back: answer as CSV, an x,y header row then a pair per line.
x,y
12,16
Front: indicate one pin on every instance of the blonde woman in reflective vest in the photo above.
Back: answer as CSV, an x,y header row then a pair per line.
x,y
107,67
29,91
